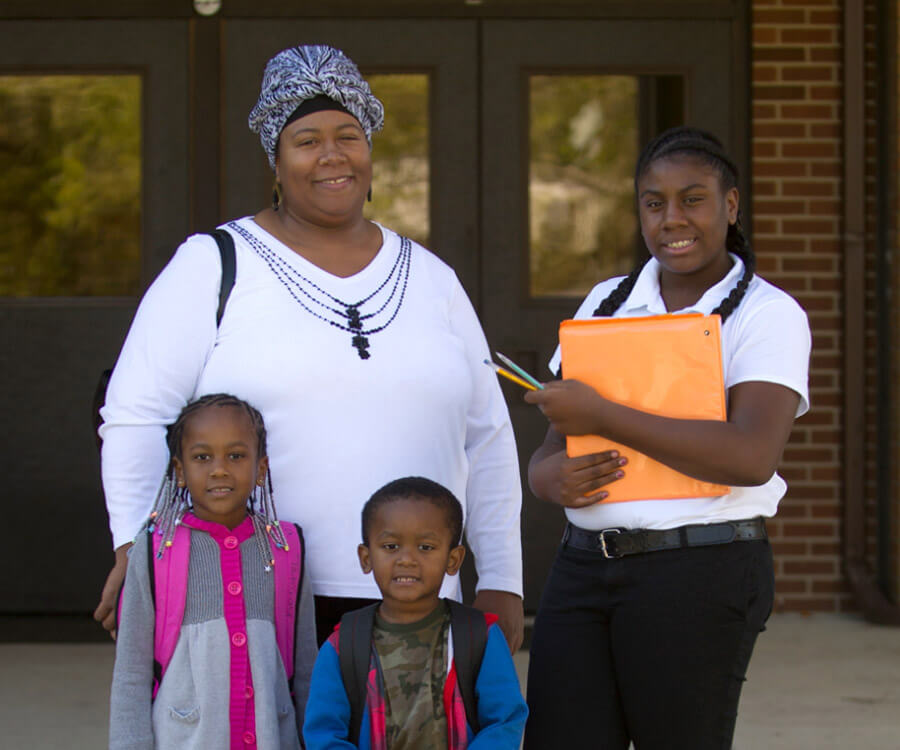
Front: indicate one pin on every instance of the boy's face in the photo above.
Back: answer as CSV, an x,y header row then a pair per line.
x,y
409,552
218,463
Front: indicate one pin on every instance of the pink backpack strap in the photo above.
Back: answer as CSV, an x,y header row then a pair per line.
x,y
288,570
170,576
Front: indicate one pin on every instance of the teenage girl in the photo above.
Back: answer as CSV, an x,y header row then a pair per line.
x,y
652,607
226,683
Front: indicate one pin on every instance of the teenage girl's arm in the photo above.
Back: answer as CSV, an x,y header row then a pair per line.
x,y
742,451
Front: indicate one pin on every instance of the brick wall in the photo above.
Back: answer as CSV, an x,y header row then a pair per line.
x,y
796,168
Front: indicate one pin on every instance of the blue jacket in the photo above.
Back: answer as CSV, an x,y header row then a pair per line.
x,y
501,708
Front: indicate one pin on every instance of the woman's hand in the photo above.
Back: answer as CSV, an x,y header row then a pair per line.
x,y
106,609
572,482
569,405
510,615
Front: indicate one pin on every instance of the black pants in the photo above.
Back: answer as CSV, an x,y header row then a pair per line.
x,y
649,648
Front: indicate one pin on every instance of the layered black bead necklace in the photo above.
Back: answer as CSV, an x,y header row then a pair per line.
x,y
351,317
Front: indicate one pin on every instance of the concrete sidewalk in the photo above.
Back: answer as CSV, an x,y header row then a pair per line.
x,y
817,682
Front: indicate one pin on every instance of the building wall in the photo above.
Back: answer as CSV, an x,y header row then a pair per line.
x,y
796,168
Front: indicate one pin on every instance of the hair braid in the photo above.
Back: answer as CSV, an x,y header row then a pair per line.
x,y
618,295
736,243
707,148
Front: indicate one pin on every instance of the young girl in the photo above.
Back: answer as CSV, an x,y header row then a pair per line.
x,y
652,607
223,680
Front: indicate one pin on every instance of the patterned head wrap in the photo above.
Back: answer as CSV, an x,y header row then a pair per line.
x,y
300,73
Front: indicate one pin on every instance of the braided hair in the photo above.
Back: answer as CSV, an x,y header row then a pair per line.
x,y
172,501
705,147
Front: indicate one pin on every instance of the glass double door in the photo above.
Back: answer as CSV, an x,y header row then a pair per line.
x,y
526,133
508,151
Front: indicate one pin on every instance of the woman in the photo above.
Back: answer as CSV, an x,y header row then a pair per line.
x,y
368,354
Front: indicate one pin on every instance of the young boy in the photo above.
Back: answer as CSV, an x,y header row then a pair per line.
x,y
411,530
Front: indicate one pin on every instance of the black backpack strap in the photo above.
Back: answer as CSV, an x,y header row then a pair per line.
x,y
226,250
469,640
354,652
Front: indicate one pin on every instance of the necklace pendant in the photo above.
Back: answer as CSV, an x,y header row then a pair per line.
x,y
362,345
353,320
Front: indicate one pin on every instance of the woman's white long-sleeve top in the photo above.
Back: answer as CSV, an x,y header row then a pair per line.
x,y
339,427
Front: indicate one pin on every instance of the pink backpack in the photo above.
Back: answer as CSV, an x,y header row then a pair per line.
x,y
170,572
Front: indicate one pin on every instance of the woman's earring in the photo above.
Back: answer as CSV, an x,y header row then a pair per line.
x,y
276,196
369,194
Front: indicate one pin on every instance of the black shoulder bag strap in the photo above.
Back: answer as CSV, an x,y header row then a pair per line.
x,y
354,651
469,641
226,250
229,265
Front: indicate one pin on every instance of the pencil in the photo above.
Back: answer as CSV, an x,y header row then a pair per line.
x,y
509,363
509,376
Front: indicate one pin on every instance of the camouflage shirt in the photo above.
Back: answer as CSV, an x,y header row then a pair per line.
x,y
413,660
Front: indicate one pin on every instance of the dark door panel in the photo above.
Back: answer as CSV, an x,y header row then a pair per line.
x,y
58,549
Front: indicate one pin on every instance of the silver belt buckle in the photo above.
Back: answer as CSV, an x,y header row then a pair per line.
x,y
603,547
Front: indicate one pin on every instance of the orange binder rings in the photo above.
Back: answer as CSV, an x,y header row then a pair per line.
x,y
670,365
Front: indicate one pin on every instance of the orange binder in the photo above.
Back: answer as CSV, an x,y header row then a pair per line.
x,y
669,365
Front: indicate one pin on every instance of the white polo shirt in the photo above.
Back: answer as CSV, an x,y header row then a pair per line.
x,y
765,339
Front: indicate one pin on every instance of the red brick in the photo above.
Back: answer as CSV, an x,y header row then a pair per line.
x,y
826,511
808,264
764,226
825,208
808,188
792,511
780,16
779,207
808,111
792,453
764,74
825,130
828,587
807,604
809,226
822,380
808,567
779,130
825,92
813,530
808,73
824,54
763,111
813,492
763,149
820,246
791,586
779,168
826,548
808,36
810,149
764,187
781,244
827,473
779,54
826,169
789,93
825,17
766,35
789,548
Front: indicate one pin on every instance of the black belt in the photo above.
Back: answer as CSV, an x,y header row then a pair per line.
x,y
621,542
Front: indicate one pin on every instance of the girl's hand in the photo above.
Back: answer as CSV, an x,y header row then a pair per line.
x,y
570,405
556,478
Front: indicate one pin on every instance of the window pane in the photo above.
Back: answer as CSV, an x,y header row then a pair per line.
x,y
70,185
584,132
400,183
